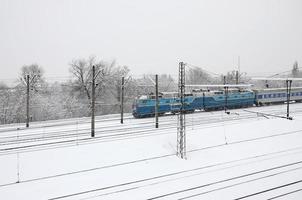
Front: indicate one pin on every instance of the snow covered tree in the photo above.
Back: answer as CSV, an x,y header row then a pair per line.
x,y
295,70
81,69
35,73
231,77
196,75
166,83
116,80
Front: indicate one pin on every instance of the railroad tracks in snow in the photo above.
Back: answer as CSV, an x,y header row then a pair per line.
x,y
110,130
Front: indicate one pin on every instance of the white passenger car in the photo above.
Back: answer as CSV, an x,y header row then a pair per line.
x,y
277,95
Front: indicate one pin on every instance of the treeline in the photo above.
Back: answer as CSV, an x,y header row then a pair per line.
x,y
72,97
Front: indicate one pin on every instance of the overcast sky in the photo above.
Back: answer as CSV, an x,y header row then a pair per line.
x,y
151,36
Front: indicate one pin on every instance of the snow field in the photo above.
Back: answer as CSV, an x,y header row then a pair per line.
x,y
215,152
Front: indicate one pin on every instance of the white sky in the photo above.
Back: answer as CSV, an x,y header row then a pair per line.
x,y
151,36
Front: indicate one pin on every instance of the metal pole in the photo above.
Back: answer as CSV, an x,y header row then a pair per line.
x,y
18,160
93,102
122,101
226,91
224,80
288,89
157,101
27,101
237,77
239,64
181,129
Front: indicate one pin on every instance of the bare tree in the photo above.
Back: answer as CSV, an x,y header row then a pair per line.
x,y
35,73
196,75
166,83
81,69
295,70
116,80
3,86
4,102
231,77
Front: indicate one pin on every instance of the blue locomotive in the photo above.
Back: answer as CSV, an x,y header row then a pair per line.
x,y
144,106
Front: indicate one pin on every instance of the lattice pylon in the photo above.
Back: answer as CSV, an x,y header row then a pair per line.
x,y
181,119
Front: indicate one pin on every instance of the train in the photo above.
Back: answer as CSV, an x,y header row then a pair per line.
x,y
211,100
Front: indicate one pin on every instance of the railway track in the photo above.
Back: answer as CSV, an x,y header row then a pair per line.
x,y
229,181
104,131
141,128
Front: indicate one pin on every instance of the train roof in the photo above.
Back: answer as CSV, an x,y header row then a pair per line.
x,y
277,89
277,79
222,86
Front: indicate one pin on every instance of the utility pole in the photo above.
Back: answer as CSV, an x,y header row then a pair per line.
x,y
18,159
226,91
27,101
157,101
237,77
93,102
122,100
181,128
288,90
239,64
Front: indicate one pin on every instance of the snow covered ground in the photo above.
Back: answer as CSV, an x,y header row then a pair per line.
x,y
238,156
